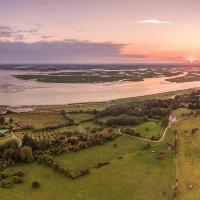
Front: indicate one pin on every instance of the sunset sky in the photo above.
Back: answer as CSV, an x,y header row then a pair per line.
x,y
89,31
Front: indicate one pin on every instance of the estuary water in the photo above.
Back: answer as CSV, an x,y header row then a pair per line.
x,y
22,92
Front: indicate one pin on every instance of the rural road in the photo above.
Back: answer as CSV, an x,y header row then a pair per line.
x,y
149,140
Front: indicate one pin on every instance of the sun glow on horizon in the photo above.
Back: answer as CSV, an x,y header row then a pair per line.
x,y
191,59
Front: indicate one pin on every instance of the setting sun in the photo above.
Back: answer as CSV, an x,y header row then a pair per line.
x,y
191,59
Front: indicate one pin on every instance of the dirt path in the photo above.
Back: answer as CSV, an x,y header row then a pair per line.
x,y
148,140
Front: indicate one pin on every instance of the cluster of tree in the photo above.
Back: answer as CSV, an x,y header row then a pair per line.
x,y
130,131
87,120
5,164
48,160
146,146
16,177
94,111
154,108
194,130
10,153
69,143
123,121
190,114
35,144
189,100
97,129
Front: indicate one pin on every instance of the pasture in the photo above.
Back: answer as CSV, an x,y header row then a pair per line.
x,y
149,129
39,120
181,111
188,160
135,176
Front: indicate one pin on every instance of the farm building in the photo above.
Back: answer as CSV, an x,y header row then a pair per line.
x,y
22,125
172,119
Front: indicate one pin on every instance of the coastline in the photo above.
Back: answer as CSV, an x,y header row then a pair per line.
x,y
162,95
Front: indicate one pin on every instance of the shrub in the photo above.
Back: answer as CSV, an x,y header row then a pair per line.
x,y
3,175
6,184
62,170
84,172
115,145
101,164
72,175
19,173
146,146
35,184
55,166
17,179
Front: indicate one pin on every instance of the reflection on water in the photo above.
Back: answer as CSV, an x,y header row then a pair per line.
x,y
36,93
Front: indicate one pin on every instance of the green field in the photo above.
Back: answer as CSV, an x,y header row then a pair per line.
x,y
149,129
39,120
134,172
135,176
89,158
181,111
188,160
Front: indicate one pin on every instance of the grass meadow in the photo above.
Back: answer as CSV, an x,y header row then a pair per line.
x,y
188,159
137,176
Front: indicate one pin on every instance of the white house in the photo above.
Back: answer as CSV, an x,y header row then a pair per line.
x,y
172,119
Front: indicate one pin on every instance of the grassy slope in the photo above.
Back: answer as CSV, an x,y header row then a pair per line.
x,y
188,159
155,129
180,111
138,176
90,157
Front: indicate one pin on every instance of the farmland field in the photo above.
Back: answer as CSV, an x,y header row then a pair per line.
x,y
39,120
80,117
149,129
181,111
118,165
188,159
135,176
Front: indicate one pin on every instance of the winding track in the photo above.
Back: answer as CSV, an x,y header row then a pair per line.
x,y
14,137
149,140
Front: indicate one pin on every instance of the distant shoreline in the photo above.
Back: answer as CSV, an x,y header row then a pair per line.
x,y
82,86
161,95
